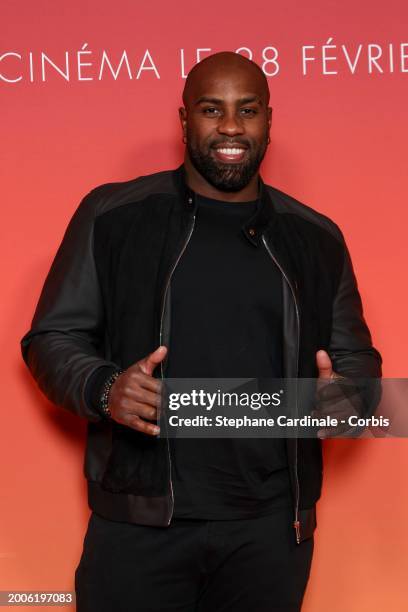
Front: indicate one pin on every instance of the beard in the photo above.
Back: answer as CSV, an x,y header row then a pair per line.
x,y
224,176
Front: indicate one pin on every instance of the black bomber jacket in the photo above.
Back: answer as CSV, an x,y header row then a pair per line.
x,y
105,305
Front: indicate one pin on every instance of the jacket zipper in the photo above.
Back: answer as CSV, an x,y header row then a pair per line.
x,y
161,339
296,522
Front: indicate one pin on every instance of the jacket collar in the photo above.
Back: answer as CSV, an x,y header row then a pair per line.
x,y
254,226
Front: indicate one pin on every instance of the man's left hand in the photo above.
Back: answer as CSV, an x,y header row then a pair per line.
x,y
333,399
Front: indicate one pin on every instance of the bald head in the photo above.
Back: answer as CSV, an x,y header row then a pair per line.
x,y
221,67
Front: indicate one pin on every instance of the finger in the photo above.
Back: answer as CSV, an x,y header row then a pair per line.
x,y
332,392
338,405
147,382
352,405
334,432
333,414
132,408
139,424
338,391
324,364
342,417
143,396
148,364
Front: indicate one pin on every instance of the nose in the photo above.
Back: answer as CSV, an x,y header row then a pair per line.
x,y
230,124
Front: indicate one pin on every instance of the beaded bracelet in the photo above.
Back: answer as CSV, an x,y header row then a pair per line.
x,y
105,393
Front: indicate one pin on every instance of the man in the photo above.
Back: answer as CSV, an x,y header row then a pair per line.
x,y
204,271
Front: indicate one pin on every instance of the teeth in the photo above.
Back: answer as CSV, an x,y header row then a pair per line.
x,y
231,151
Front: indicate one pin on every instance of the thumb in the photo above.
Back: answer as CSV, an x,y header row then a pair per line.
x,y
149,363
324,364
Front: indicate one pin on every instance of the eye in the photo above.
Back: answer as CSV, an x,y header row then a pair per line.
x,y
248,111
210,110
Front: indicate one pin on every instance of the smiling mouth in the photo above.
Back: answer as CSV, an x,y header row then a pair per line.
x,y
230,154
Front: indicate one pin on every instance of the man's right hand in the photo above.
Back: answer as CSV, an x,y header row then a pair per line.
x,y
135,395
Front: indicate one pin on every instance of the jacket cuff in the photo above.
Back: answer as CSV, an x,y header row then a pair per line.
x,y
94,387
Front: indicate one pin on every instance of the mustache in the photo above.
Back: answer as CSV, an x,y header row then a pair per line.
x,y
230,141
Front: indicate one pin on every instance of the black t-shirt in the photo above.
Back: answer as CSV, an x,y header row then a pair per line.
x,y
226,322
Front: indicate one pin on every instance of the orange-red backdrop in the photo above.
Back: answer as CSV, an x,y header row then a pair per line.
x,y
338,143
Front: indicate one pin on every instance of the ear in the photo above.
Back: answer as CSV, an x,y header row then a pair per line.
x,y
270,109
183,121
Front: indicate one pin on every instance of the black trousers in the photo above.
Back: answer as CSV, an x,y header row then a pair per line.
x,y
245,565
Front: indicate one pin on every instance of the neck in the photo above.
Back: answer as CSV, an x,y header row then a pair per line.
x,y
199,185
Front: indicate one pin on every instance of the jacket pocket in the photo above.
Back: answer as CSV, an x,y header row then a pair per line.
x,y
138,463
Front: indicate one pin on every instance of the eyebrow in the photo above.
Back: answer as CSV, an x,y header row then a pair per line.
x,y
213,100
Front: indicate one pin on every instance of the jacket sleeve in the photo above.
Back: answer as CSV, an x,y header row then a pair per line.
x,y
66,342
351,348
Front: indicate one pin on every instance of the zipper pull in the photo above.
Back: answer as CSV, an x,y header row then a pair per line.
x,y
296,525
